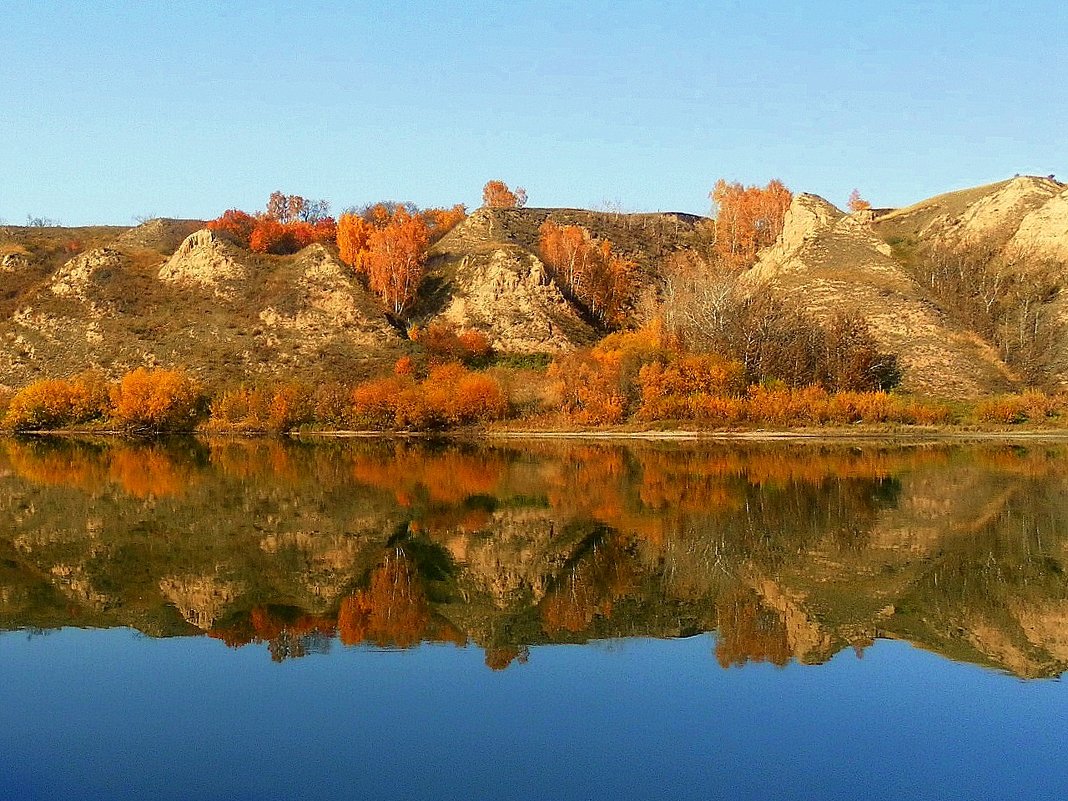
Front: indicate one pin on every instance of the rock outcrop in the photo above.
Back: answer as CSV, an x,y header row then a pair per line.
x,y
504,290
80,273
205,260
831,262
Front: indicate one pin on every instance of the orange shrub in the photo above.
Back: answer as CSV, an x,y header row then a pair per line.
x,y
445,342
373,402
683,387
456,396
156,400
290,407
450,396
57,403
276,409
601,385
591,387
1034,407
235,223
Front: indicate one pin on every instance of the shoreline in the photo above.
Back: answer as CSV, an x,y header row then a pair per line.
x,y
800,435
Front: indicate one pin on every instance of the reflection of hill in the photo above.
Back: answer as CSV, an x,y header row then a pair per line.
x,y
789,552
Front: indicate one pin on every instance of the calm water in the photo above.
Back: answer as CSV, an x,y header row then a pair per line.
x,y
537,620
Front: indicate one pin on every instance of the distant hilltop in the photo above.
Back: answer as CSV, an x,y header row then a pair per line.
x,y
965,289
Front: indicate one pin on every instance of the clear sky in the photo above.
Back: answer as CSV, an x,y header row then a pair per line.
x,y
111,110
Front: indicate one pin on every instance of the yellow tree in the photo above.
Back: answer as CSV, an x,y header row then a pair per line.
x,y
397,255
353,237
497,195
747,218
856,202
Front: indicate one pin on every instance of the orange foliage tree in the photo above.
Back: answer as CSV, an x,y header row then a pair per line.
x,y
290,223
238,224
57,403
497,195
856,202
156,400
387,243
441,221
747,218
353,235
588,270
396,256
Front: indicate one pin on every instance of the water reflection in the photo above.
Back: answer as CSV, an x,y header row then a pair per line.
x,y
788,552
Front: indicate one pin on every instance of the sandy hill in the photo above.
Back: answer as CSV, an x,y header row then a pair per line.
x,y
171,293
833,262
160,295
986,213
486,273
864,263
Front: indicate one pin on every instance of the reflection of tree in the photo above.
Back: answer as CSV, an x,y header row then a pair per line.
x,y
149,472
961,550
602,572
748,631
501,657
394,609
143,470
286,631
439,488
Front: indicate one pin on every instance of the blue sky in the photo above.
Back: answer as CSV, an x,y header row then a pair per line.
x,y
110,110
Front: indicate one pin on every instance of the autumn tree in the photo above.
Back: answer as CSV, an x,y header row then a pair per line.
x,y
711,309
238,224
588,270
353,236
396,257
857,203
271,236
290,223
293,208
497,195
156,400
441,221
747,218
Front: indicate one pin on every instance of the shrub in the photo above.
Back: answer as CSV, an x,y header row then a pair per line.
x,y
374,402
253,409
1034,407
601,385
450,396
444,342
331,406
156,401
683,387
57,403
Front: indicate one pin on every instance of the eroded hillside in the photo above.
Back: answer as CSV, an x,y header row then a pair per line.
x,y
171,293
